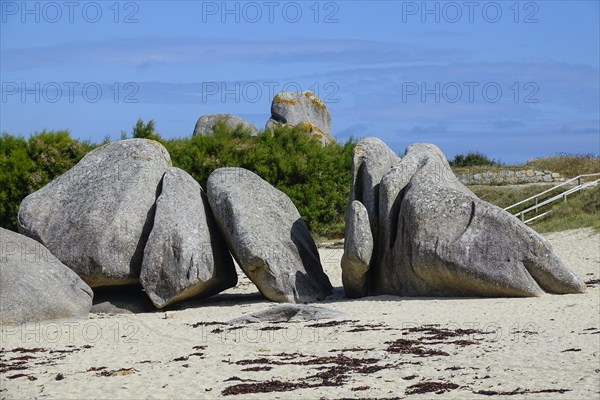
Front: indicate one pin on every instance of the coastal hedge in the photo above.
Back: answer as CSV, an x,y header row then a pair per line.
x,y
315,177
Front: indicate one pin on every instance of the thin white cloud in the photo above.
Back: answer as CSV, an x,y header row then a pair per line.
x,y
148,52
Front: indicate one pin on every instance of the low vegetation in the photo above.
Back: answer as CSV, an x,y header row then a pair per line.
x,y
27,165
567,165
472,159
580,210
316,177
504,196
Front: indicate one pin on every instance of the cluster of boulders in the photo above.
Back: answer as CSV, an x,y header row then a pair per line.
x,y
302,109
412,229
124,215
506,177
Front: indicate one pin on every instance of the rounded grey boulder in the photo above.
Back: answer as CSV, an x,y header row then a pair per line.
x,y
96,217
267,237
185,255
302,109
436,238
35,285
206,123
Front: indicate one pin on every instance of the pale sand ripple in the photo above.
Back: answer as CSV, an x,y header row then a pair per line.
x,y
547,343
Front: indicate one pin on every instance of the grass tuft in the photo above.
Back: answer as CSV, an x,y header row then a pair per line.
x,y
568,165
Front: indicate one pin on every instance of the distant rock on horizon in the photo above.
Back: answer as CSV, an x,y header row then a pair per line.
x,y
206,123
302,109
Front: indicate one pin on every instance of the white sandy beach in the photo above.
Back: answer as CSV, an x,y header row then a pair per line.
x,y
515,346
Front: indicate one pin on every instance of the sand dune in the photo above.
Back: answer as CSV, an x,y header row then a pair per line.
x,y
386,347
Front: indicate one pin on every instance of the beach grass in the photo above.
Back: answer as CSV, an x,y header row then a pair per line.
x,y
581,210
567,165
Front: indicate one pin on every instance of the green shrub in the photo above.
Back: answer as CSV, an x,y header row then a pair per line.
x,y
472,159
53,153
15,168
144,131
28,165
317,178
568,165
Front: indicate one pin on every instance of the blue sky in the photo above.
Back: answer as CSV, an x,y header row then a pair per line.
x,y
514,80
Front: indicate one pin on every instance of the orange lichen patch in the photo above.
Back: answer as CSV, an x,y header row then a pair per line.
x,y
320,135
315,131
315,100
306,126
279,99
358,149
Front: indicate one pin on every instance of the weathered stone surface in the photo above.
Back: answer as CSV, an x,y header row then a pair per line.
x,y
35,285
185,254
358,248
302,109
436,238
288,313
96,217
267,237
372,159
206,124
393,182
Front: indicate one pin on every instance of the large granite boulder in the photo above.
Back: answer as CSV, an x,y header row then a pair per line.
x,y
436,238
206,123
371,161
96,217
185,254
35,285
267,237
302,109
